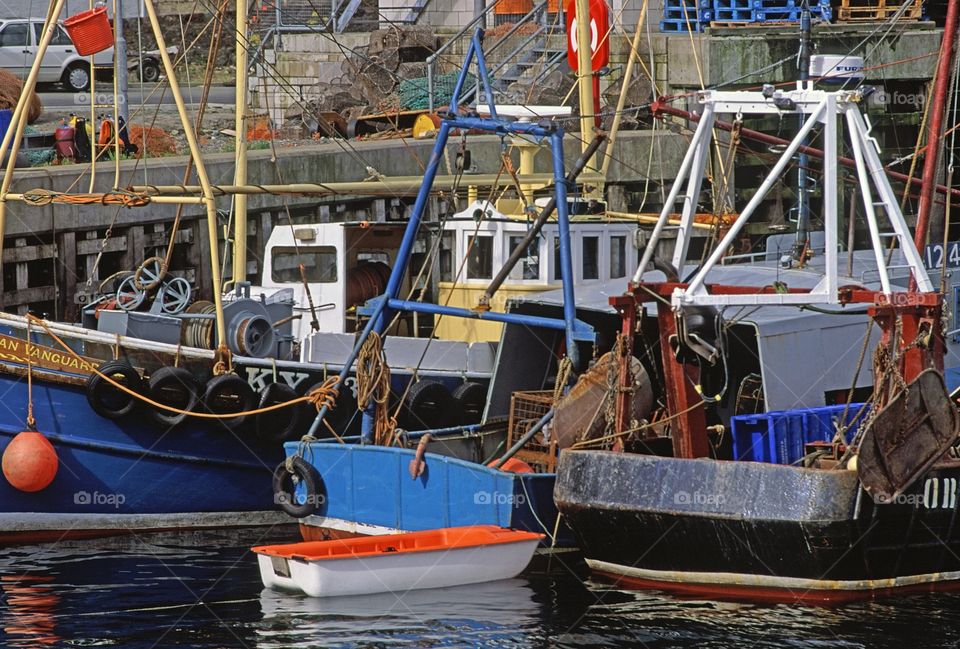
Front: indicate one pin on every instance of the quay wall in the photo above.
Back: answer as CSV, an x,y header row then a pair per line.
x,y
51,251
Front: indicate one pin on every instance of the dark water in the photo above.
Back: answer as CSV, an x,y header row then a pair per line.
x,y
203,590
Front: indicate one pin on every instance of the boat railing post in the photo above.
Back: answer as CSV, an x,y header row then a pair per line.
x,y
696,283
694,183
703,131
563,231
208,197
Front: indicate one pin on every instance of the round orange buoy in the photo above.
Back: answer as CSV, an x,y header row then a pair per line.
x,y
513,465
30,462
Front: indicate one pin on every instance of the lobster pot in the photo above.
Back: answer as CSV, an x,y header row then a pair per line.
x,y
90,31
526,409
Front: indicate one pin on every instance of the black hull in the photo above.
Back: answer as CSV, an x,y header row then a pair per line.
x,y
754,530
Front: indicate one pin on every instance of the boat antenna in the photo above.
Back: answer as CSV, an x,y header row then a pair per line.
x,y
801,248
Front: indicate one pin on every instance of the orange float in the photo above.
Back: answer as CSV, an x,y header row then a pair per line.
x,y
513,465
30,462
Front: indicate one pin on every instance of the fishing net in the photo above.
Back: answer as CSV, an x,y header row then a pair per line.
x,y
414,94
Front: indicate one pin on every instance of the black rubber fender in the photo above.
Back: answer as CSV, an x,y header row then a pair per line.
x,y
227,394
281,425
285,484
108,401
470,400
176,387
428,406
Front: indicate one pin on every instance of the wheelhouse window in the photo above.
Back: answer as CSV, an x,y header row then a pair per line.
x,y
529,265
618,257
480,257
590,258
447,249
319,262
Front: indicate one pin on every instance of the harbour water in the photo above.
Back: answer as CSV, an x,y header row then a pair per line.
x,y
203,590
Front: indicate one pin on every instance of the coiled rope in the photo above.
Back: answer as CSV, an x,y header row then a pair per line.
x,y
373,384
323,395
123,198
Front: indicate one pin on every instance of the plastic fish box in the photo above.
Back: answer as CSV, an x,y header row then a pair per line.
x,y
823,422
779,437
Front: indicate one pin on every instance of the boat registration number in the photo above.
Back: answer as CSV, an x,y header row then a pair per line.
x,y
281,567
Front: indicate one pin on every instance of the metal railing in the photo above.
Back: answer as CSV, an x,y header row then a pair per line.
x,y
534,15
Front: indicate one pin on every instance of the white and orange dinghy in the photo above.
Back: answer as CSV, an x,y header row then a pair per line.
x,y
451,556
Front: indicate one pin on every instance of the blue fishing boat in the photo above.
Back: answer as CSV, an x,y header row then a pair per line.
x,y
372,487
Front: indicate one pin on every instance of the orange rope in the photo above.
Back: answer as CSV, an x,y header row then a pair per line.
x,y
125,199
31,422
325,395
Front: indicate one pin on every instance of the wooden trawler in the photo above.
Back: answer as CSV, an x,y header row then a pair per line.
x,y
871,511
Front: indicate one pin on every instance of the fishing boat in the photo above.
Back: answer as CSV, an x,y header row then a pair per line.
x,y
398,563
334,489
867,510
159,413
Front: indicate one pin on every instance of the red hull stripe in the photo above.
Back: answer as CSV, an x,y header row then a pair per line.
x,y
771,595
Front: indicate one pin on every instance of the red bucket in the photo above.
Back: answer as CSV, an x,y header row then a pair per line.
x,y
90,31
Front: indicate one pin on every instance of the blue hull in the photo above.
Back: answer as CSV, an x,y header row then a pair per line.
x,y
128,474
370,487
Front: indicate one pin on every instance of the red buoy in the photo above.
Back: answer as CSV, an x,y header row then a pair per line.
x,y
30,462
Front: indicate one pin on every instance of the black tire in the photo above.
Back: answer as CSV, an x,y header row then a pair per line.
x,y
285,484
281,425
344,418
150,71
470,400
227,394
176,387
428,406
108,401
76,77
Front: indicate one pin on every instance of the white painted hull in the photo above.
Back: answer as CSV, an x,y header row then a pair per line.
x,y
398,573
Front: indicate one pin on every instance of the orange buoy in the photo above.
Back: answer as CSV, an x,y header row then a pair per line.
x,y
30,462
513,465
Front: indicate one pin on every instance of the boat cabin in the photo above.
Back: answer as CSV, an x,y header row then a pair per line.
x,y
346,264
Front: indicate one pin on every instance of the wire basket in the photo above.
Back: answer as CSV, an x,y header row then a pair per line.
x,y
90,31
526,409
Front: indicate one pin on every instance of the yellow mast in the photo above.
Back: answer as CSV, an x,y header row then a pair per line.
x,y
240,173
585,77
208,197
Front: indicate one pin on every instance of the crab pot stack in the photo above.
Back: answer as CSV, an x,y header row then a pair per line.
x,y
875,10
686,15
766,12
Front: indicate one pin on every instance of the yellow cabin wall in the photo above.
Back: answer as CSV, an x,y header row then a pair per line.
x,y
467,297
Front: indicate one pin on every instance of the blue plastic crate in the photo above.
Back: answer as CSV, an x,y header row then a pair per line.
x,y
823,422
730,14
6,116
732,4
676,26
779,437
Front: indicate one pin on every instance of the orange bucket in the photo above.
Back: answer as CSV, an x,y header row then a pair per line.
x,y
90,31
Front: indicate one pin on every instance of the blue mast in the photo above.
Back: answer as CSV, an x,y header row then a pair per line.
x,y
383,308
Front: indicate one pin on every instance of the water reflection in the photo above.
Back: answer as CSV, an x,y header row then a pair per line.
x,y
494,613
29,614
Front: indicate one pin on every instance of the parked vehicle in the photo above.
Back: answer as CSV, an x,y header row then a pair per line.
x,y
61,64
